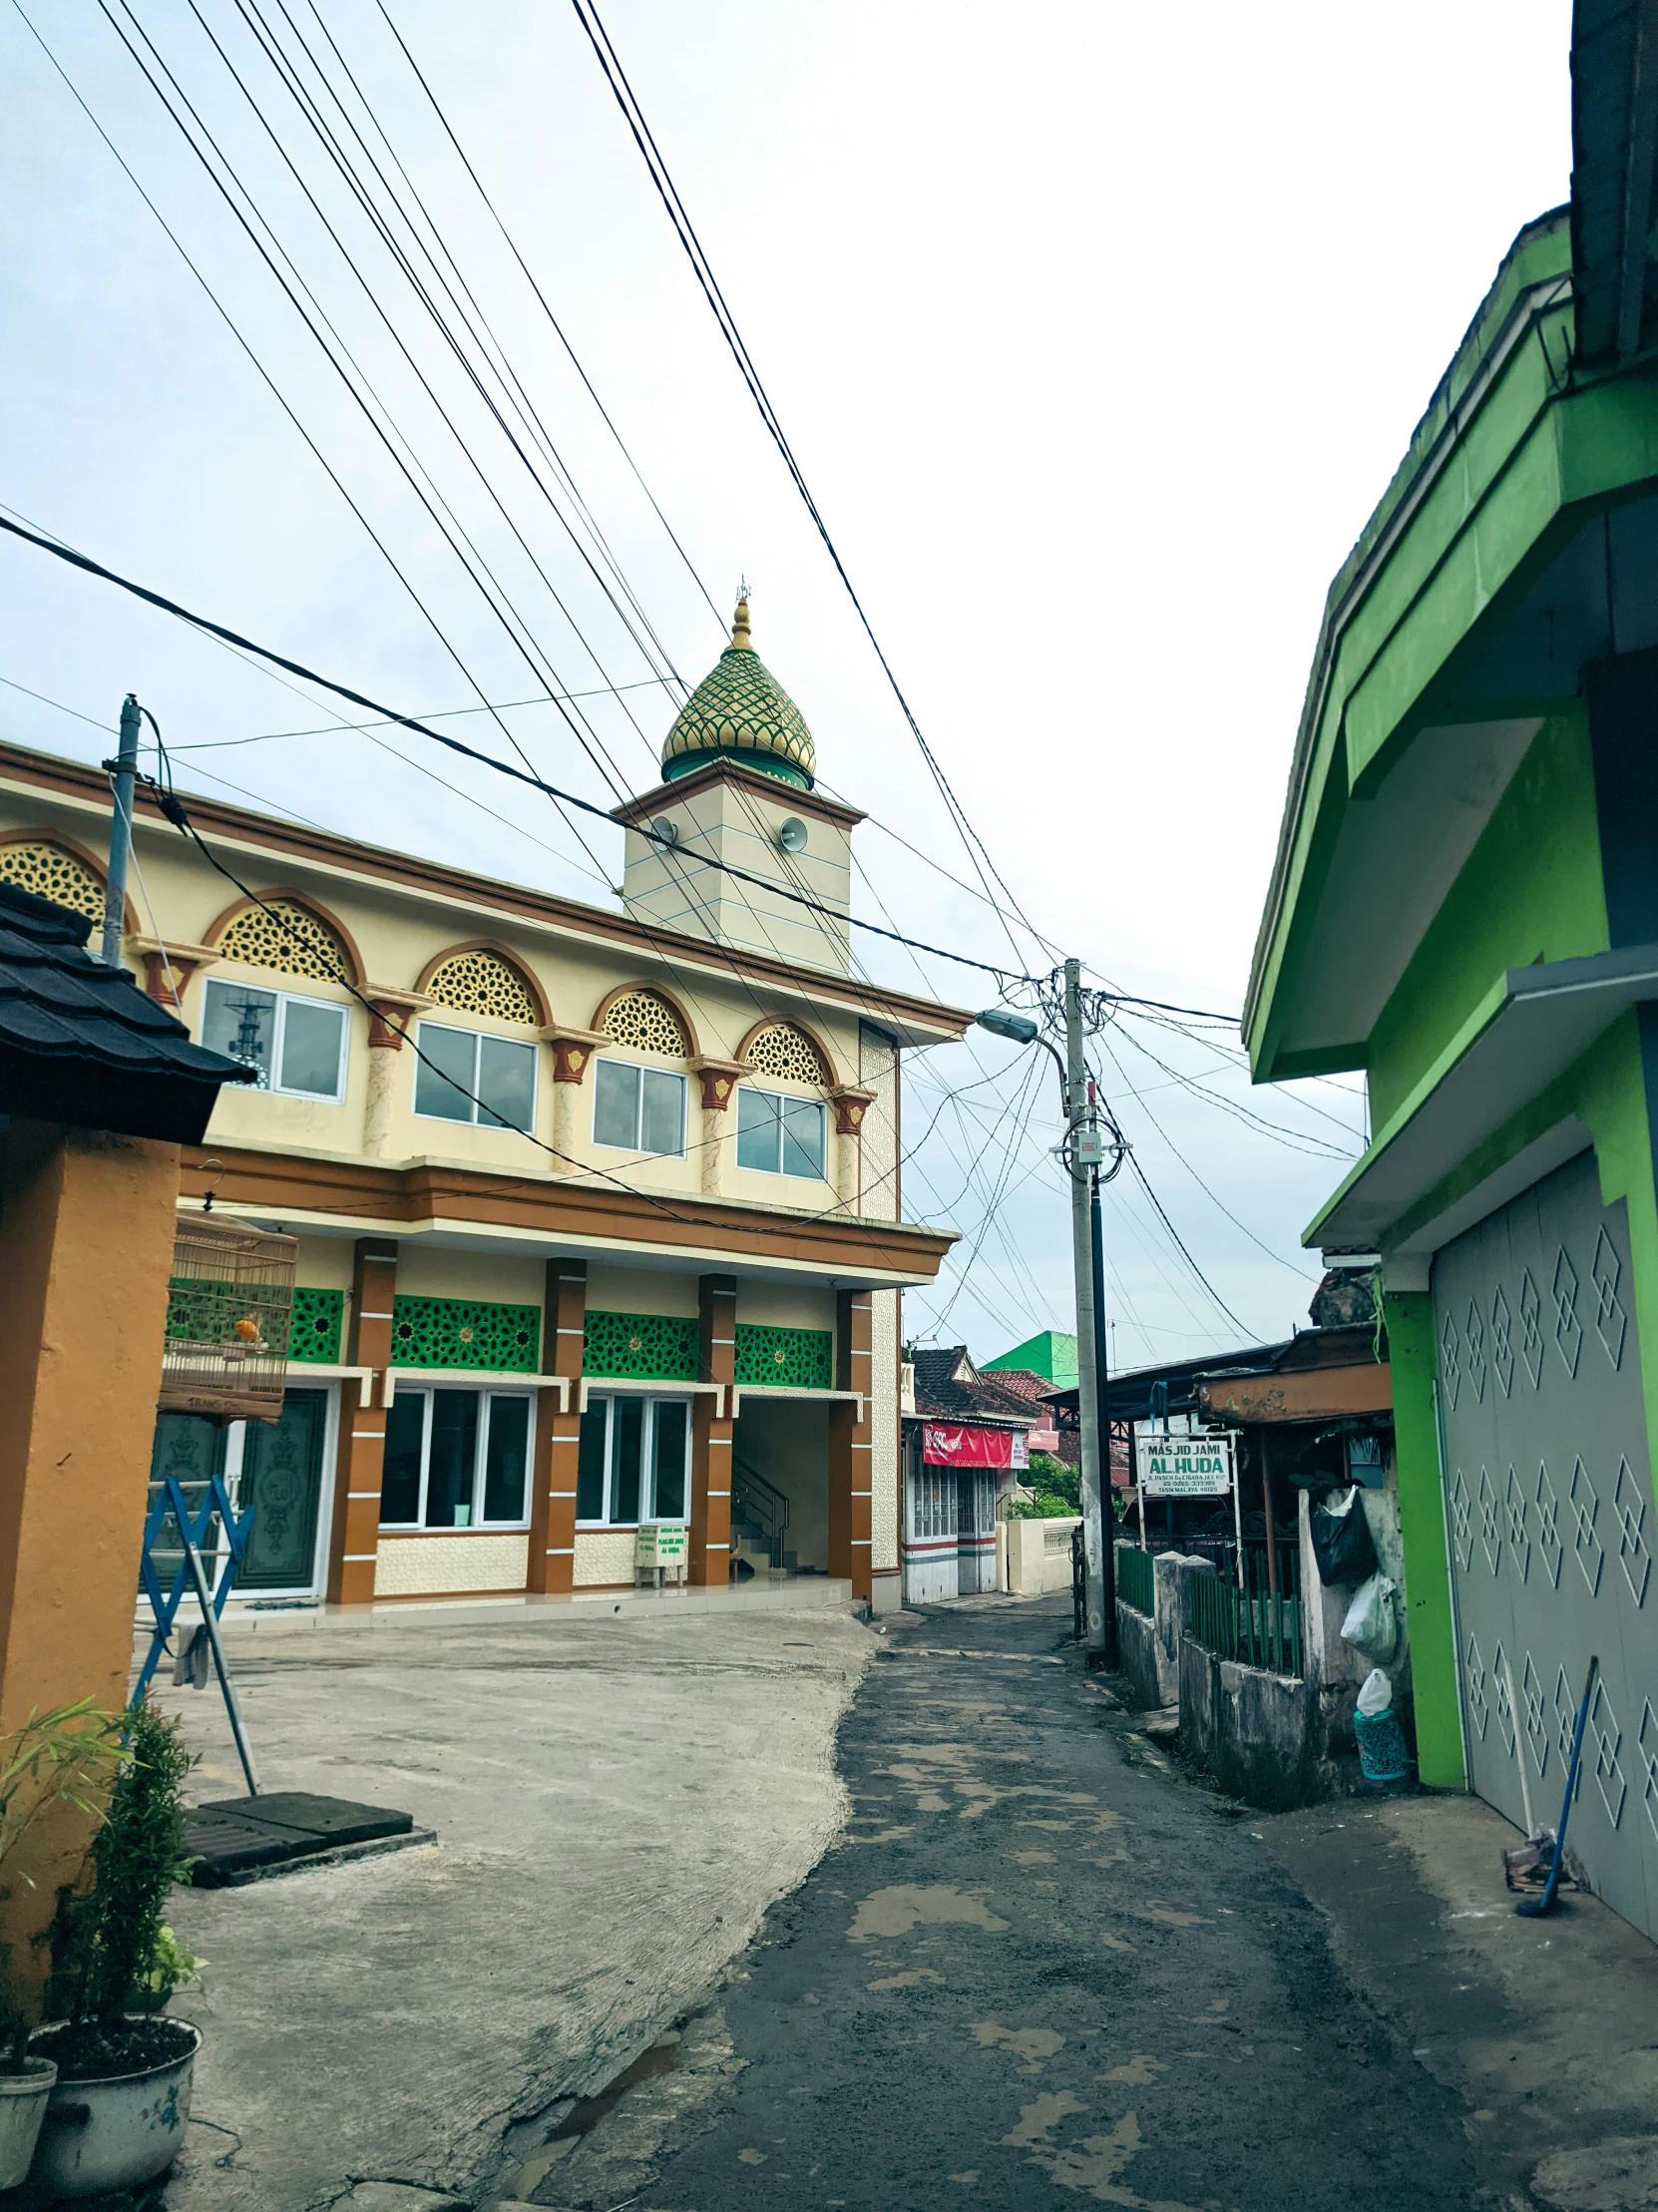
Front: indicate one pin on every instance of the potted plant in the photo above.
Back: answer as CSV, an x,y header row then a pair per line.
x,y
59,1758
116,2115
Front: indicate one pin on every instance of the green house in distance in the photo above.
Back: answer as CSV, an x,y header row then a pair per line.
x,y
1465,906
1051,1355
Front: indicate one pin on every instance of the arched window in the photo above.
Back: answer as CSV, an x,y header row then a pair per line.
x,y
646,1022
481,982
52,871
784,1051
285,938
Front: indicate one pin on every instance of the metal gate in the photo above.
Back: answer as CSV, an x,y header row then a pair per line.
x,y
975,1532
1550,1519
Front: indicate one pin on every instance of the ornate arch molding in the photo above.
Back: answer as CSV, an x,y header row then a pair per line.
x,y
279,897
602,1019
81,860
479,961
826,1077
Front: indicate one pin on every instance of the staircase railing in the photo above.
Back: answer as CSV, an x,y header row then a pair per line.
x,y
763,1504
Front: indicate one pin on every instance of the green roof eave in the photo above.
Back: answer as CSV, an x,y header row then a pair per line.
x,y
1526,1031
1460,451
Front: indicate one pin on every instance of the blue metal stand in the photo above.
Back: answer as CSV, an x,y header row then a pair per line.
x,y
192,1533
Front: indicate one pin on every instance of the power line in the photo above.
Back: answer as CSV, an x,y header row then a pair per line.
x,y
470,752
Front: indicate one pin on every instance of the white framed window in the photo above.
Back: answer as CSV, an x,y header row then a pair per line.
x,y
634,1461
469,1076
779,1135
296,1044
638,1109
457,1459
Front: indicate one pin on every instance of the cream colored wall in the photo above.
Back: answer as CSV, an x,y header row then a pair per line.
x,y
411,1566
325,1262
425,1274
640,1290
603,1557
880,1178
785,1305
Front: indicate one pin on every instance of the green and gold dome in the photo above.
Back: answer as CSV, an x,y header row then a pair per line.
x,y
739,709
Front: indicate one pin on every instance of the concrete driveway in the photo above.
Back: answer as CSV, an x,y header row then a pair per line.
x,y
617,1801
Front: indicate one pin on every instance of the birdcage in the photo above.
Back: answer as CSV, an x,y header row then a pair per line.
x,y
229,1304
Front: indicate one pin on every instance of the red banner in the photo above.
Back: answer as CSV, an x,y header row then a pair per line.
x,y
951,1446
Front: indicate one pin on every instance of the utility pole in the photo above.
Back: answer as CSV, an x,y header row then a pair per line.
x,y
125,770
1086,1150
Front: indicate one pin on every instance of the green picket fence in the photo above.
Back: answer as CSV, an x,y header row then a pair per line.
x,y
1251,1624
1138,1581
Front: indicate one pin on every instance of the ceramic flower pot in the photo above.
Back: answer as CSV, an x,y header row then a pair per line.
x,y
116,2130
22,2105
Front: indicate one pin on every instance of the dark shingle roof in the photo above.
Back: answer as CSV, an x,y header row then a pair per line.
x,y
949,1387
80,1043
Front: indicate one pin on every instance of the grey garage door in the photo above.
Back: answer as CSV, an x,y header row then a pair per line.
x,y
1549,1507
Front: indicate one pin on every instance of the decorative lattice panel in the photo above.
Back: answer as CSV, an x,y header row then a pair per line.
x,y
319,1325
782,1050
483,983
647,1023
640,1347
37,864
287,940
804,1359
466,1332
197,1308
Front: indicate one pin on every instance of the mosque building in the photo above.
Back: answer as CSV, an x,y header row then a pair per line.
x,y
598,1212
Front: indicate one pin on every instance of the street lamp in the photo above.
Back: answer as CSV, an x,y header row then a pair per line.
x,y
1083,1153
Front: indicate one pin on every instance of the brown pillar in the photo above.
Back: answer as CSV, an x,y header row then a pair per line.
x,y
851,1446
86,1249
711,1525
355,1541
558,1434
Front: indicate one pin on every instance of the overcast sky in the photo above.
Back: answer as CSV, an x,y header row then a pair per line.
x,y
1098,333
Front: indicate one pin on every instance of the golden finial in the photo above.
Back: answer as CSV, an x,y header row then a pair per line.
x,y
739,627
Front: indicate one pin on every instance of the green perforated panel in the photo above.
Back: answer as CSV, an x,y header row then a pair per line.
x,y
642,1347
804,1359
466,1332
318,1322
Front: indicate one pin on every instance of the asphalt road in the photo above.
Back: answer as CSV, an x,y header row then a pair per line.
x,y
1035,1963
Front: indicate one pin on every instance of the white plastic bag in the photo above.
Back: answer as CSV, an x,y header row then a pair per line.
x,y
1371,1623
1376,1694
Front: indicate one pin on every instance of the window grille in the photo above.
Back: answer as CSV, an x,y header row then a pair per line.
x,y
497,1339
647,1023
229,1315
318,1327
481,982
802,1359
39,865
288,940
640,1347
782,1050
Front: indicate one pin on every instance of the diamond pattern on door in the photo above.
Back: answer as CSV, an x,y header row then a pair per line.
x,y
1473,1674
1646,1750
1583,1506
1605,1739
1549,1525
1451,1361
1605,1271
1503,1343
1568,1330
1551,1519
1475,1354
1505,1704
1632,1506
1535,1702
1490,1522
1462,1523
1516,1504
1532,1328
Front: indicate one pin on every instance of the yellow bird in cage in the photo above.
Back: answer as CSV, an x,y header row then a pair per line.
x,y
247,1329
